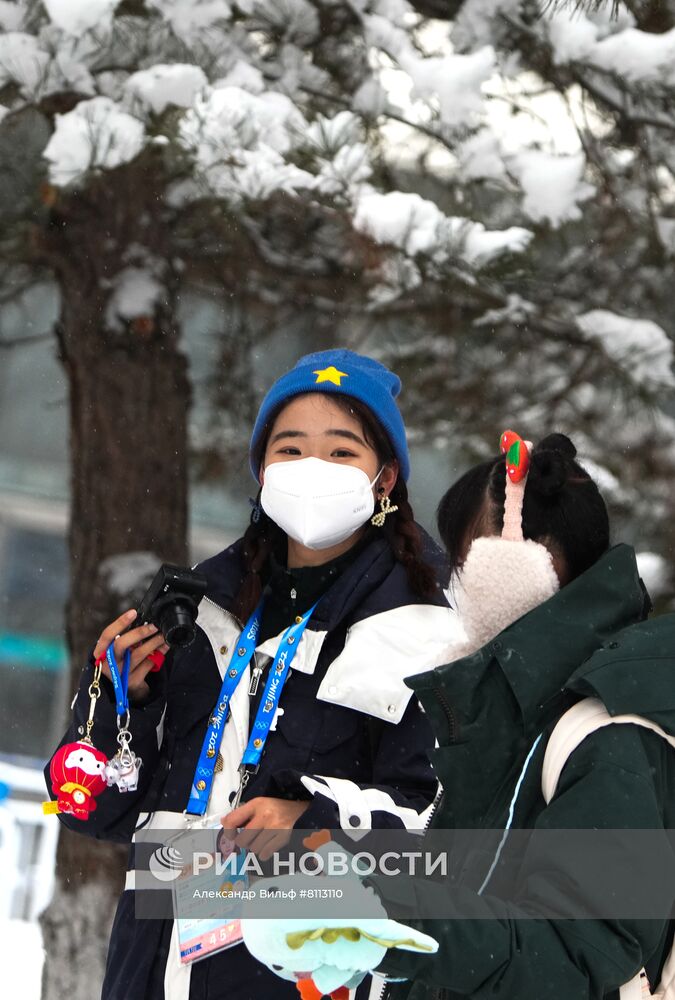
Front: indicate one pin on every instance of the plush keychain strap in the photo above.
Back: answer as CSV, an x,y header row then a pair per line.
x,y
517,454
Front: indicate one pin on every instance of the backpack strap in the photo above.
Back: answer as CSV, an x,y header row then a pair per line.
x,y
573,727
666,988
570,731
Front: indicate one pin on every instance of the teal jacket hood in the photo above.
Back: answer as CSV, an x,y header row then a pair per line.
x,y
492,712
590,639
634,673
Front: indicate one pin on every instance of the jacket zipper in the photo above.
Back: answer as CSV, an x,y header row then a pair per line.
x,y
449,714
239,624
438,993
434,806
452,722
257,668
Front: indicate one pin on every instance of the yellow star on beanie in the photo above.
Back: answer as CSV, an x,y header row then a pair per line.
x,y
330,374
337,372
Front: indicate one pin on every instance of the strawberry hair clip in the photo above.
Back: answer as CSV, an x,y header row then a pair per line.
x,y
517,452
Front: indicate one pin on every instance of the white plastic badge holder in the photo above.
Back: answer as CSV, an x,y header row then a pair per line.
x,y
212,880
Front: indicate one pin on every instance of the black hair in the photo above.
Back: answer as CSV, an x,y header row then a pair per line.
x,y
562,507
263,536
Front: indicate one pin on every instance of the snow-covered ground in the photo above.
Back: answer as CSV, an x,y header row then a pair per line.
x,y
21,959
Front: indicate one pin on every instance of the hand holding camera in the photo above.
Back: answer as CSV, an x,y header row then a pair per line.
x,y
142,640
165,619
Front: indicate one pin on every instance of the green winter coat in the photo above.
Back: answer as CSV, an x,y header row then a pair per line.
x,y
487,709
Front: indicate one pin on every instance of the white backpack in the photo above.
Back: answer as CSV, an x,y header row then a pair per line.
x,y
571,729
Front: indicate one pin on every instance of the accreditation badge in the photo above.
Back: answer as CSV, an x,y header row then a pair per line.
x,y
207,895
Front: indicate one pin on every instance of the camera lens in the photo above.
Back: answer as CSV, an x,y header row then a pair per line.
x,y
177,625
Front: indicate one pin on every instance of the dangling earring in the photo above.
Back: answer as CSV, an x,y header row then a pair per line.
x,y
256,510
386,507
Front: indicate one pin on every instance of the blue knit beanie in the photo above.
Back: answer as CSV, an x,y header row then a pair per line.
x,y
339,372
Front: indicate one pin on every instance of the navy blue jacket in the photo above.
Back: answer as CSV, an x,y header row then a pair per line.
x,y
351,738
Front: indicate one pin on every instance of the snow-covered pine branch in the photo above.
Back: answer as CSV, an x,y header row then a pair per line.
x,y
484,183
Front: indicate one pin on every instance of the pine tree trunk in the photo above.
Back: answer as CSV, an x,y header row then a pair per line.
x,y
129,396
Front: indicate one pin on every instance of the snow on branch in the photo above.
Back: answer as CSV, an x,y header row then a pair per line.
x,y
553,186
512,168
640,347
159,86
638,55
417,226
190,18
97,133
77,16
238,141
455,81
24,62
612,44
136,291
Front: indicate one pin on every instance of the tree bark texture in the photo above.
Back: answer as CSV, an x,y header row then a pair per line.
x,y
129,395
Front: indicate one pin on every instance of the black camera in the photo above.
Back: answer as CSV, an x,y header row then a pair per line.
x,y
171,603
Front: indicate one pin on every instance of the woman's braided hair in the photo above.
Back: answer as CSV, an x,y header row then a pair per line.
x,y
263,536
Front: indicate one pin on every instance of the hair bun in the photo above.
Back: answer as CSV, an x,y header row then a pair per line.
x,y
550,464
557,442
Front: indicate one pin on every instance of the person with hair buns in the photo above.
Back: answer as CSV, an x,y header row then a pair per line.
x,y
333,551
556,648
555,726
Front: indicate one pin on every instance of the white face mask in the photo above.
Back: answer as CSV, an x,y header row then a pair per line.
x,y
317,503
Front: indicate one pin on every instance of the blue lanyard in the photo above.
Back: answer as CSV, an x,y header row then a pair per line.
x,y
272,693
120,683
206,765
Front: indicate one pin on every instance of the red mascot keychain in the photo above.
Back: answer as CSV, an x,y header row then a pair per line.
x,y
77,770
